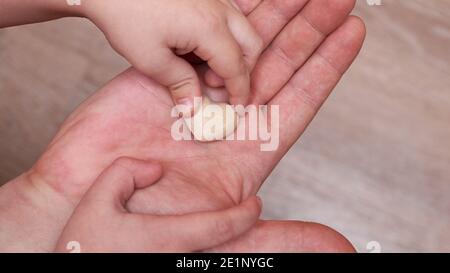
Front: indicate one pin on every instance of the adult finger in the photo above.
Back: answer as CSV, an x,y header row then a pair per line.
x,y
303,95
268,18
295,44
271,16
287,236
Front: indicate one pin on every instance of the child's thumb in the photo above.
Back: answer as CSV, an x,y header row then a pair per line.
x,y
121,179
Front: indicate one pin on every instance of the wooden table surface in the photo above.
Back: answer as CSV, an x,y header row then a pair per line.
x,y
375,163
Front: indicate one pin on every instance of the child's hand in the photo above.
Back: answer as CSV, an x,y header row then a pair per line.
x,y
101,222
151,34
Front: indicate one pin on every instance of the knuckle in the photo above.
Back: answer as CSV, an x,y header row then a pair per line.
x,y
212,18
214,23
306,97
122,161
237,65
176,87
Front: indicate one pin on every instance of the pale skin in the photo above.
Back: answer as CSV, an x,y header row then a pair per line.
x,y
129,117
216,31
102,223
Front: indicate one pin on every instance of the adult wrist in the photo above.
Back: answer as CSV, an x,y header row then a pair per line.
x,y
32,215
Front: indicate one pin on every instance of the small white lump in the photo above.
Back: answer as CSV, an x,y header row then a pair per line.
x,y
212,121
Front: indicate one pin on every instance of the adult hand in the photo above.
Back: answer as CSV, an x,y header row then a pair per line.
x,y
130,117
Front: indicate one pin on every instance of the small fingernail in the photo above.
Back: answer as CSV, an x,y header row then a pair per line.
x,y
185,102
185,106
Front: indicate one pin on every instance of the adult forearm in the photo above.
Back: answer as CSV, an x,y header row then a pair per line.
x,y
19,12
31,215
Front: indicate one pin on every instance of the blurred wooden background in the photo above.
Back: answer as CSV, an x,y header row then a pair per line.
x,y
375,163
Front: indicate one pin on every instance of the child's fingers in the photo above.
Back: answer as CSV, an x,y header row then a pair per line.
x,y
249,41
118,182
247,37
203,230
177,74
224,55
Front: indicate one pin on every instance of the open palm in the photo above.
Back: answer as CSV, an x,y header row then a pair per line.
x,y
130,116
